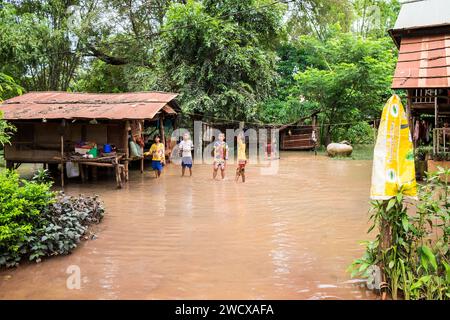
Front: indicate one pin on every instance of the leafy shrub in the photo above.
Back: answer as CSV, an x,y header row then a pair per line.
x,y
359,133
422,152
65,222
41,176
21,203
412,251
36,222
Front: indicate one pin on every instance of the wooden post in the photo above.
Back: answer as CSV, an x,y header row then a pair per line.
x,y
62,161
161,129
9,164
408,114
116,166
142,148
436,122
126,148
82,174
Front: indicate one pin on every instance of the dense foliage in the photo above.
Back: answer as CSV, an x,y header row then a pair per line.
x,y
21,204
346,77
8,88
412,249
36,222
224,63
262,61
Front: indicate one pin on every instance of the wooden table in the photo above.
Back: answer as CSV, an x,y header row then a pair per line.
x,y
113,161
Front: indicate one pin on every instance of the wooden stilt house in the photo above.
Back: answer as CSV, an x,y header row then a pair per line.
x,y
50,126
422,34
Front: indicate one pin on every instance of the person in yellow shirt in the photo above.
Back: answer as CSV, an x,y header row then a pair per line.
x,y
241,157
158,156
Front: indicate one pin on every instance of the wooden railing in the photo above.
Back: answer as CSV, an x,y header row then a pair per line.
x,y
441,141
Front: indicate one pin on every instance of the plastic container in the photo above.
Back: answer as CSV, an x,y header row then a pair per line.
x,y
81,150
93,152
107,148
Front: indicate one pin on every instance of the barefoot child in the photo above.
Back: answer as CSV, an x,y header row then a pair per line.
x,y
241,157
158,156
220,156
186,146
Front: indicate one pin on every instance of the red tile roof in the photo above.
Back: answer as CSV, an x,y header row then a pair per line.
x,y
423,62
66,105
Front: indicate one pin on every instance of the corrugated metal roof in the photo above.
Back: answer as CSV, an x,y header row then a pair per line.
x,y
421,14
66,105
423,62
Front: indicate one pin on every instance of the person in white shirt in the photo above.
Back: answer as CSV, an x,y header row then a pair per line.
x,y
185,147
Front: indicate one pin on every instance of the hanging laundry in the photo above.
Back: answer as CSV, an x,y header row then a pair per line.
x,y
136,128
427,132
423,131
416,131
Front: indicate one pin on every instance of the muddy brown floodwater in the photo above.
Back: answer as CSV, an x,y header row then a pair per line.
x,y
286,236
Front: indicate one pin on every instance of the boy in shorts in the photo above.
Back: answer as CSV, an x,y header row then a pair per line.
x,y
186,146
220,156
158,156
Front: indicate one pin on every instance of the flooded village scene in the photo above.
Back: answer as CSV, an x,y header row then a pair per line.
x,y
225,150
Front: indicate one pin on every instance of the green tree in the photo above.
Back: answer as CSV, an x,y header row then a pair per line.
x,y
221,57
286,105
36,45
314,17
349,78
8,88
375,17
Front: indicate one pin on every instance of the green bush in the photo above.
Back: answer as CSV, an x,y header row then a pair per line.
x,y
412,251
421,152
36,222
21,203
359,133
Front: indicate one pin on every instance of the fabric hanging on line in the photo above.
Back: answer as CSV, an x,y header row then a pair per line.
x,y
136,128
423,130
427,132
416,131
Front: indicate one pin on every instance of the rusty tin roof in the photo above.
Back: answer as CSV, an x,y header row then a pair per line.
x,y
68,105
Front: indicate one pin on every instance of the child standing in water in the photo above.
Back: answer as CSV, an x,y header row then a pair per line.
x,y
241,157
220,156
186,146
158,156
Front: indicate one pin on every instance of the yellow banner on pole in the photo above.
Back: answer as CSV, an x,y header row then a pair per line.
x,y
393,159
